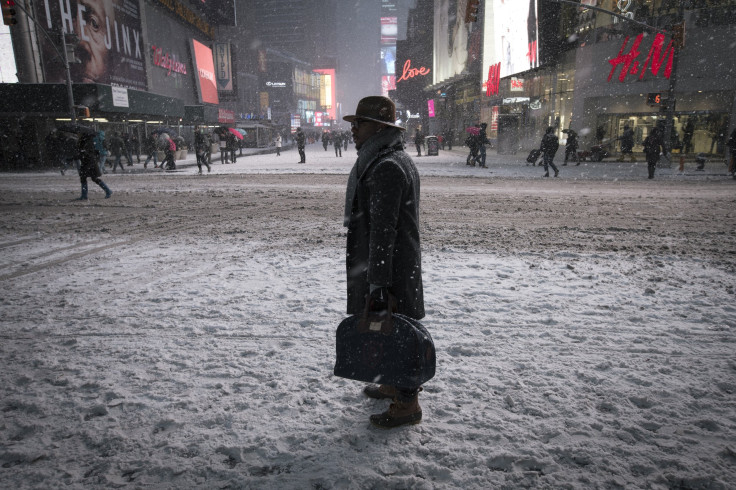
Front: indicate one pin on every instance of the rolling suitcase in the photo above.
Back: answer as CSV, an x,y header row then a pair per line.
x,y
394,350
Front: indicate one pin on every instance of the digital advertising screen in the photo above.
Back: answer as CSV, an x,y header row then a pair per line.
x,y
389,30
510,39
205,65
388,60
388,82
327,94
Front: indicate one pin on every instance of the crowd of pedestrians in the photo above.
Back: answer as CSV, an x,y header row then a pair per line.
x,y
90,153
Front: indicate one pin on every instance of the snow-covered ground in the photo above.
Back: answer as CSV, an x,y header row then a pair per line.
x,y
181,333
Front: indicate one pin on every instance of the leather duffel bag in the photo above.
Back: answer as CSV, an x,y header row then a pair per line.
x,y
392,349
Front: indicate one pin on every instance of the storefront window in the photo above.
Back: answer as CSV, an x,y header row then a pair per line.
x,y
692,134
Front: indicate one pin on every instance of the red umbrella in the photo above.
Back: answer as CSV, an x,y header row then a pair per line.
x,y
236,133
473,130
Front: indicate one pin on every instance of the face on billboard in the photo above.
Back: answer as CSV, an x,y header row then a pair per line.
x,y
510,37
205,65
109,47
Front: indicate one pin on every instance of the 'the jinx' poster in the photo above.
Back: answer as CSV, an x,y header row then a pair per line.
x,y
107,45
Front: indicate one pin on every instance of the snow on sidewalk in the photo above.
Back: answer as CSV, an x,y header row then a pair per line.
x,y
574,371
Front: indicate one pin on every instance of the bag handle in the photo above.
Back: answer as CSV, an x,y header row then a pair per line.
x,y
375,322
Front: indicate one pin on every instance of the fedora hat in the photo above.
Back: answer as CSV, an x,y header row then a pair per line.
x,y
376,108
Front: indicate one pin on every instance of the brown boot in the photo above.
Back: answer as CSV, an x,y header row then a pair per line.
x,y
399,413
379,392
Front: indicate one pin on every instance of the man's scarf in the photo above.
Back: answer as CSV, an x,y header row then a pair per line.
x,y
382,143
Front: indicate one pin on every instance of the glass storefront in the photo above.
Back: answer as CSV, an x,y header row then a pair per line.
x,y
693,132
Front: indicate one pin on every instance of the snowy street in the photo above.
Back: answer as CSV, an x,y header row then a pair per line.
x,y
181,333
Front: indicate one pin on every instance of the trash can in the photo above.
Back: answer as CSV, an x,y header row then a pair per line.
x,y
433,145
701,161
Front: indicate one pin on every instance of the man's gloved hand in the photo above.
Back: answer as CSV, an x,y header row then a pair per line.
x,y
378,300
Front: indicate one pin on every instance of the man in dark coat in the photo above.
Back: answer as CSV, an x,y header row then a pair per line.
x,y
627,144
301,141
571,147
482,140
200,148
653,145
337,142
89,166
384,264
550,145
116,148
418,138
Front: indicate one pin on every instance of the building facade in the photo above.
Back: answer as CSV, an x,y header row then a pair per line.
x,y
524,66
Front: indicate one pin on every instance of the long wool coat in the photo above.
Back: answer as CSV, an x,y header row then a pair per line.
x,y
382,217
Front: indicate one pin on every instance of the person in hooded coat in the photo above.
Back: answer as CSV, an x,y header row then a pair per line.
x,y
89,164
550,145
383,245
653,146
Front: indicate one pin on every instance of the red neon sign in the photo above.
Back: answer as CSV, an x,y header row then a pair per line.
x,y
409,72
631,65
167,61
494,79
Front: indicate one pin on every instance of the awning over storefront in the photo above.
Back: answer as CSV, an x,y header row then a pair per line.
x,y
50,100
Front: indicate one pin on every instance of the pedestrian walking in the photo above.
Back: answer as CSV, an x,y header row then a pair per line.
x,y
383,244
200,149
223,148
89,164
325,139
627,144
472,143
277,142
482,140
101,147
128,148
135,144
418,142
169,150
151,147
550,145
116,149
232,145
301,141
571,147
337,143
653,146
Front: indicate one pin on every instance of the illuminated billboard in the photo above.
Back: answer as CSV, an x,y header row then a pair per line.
x,y
510,40
327,97
388,82
388,60
389,30
108,46
204,65
457,43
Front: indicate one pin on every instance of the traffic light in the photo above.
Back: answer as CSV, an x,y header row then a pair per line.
x,y
471,11
9,12
678,35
